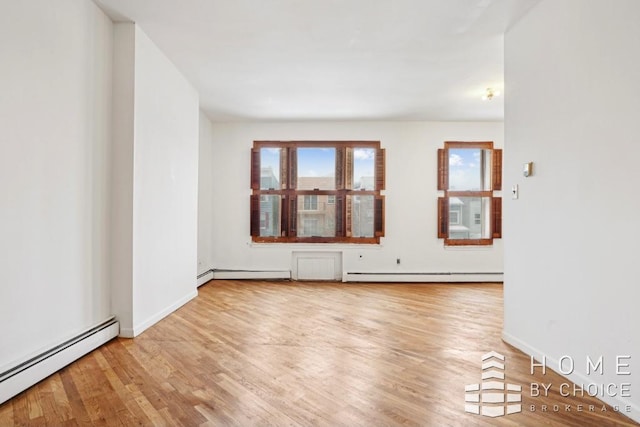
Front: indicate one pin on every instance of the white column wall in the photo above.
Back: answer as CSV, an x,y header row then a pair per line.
x,y
206,202
572,107
165,186
155,175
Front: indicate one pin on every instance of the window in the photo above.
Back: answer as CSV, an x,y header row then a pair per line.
x,y
469,173
322,192
310,203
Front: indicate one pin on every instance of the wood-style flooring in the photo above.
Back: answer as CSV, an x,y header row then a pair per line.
x,y
263,353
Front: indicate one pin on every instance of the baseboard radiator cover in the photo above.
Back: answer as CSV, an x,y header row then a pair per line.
x,y
28,373
454,277
250,274
205,277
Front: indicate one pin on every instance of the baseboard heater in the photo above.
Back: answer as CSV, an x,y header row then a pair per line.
x,y
205,277
423,277
250,274
37,368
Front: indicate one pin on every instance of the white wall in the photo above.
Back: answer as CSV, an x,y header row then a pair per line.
x,y
155,172
121,208
55,108
165,207
571,240
205,195
411,197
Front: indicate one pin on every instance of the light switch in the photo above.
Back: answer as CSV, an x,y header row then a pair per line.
x,y
527,169
514,192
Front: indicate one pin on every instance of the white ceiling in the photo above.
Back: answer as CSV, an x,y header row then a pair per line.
x,y
333,59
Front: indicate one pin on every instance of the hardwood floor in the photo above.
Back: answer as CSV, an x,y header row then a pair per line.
x,y
283,353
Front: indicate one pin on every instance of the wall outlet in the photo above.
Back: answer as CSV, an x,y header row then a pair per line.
x,y
398,261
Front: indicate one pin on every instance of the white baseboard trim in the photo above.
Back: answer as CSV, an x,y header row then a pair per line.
x,y
152,320
575,377
421,277
251,274
34,370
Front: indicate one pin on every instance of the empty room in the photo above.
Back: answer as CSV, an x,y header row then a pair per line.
x,y
319,213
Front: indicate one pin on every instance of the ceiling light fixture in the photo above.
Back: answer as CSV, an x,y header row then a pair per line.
x,y
488,96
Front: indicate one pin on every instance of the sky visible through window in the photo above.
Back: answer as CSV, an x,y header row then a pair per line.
x,y
321,161
363,164
464,169
317,161
270,158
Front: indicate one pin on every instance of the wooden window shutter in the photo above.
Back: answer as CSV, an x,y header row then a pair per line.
x,y
347,217
293,216
293,168
255,215
255,168
348,169
496,169
380,162
284,163
378,216
340,229
443,172
496,213
284,217
443,217
340,159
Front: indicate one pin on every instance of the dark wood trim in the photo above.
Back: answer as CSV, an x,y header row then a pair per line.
x,y
380,169
348,168
340,215
468,242
284,168
255,215
255,168
496,217
468,144
339,168
496,169
468,193
443,169
292,176
443,217
319,143
378,216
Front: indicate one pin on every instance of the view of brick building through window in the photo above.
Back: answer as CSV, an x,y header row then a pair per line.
x,y
316,213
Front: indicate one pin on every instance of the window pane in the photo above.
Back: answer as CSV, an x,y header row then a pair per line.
x,y
316,168
469,169
363,168
362,216
469,217
269,168
270,215
316,216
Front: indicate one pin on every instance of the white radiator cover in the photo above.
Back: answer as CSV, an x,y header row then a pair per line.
x,y
26,374
325,265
